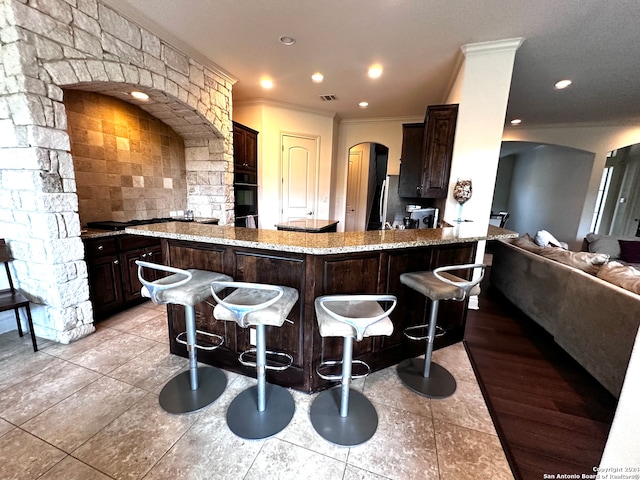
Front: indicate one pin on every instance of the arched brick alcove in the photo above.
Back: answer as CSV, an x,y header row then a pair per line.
x,y
49,46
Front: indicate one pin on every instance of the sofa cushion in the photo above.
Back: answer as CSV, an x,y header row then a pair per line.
x,y
585,261
621,275
527,243
608,244
630,250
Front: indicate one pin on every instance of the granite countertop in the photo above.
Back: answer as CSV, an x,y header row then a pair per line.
x,y
87,233
321,243
307,225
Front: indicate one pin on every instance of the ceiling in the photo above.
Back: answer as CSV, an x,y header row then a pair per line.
x,y
593,42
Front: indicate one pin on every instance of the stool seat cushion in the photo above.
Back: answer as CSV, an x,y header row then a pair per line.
x,y
430,286
360,313
191,293
273,315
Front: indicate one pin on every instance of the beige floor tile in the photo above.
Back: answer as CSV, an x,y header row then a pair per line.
x,y
301,432
455,359
132,444
129,319
23,456
77,418
22,366
5,427
465,454
355,473
112,353
384,387
209,449
402,448
153,329
87,343
11,343
151,369
33,396
72,469
282,460
465,407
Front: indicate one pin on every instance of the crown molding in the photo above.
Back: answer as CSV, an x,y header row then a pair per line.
x,y
497,46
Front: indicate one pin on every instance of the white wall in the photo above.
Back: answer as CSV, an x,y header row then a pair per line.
x,y
548,190
387,132
599,139
272,121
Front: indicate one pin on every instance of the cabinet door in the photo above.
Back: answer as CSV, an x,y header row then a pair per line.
x,y
440,128
245,148
410,181
130,283
105,284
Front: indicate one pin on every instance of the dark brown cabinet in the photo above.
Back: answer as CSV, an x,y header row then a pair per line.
x,y
245,153
411,160
113,273
426,161
245,177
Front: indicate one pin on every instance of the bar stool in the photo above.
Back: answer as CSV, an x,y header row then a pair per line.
x,y
341,415
425,377
265,409
195,388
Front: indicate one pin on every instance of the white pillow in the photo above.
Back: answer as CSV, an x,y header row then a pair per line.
x,y
544,238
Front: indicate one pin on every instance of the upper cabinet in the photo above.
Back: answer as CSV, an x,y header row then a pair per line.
x,y
245,154
427,150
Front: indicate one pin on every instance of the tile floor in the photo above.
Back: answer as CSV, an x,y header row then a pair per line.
x,y
89,410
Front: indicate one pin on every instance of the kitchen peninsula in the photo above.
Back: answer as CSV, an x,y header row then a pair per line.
x,y
317,264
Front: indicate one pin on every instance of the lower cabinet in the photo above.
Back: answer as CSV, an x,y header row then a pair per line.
x,y
113,273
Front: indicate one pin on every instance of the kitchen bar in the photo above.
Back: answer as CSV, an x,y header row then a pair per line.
x,y
317,264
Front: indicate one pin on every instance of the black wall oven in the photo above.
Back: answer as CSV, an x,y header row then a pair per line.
x,y
246,203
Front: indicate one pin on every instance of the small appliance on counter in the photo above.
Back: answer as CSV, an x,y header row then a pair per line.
x,y
424,218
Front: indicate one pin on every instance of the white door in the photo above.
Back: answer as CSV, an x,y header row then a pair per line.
x,y
353,190
299,175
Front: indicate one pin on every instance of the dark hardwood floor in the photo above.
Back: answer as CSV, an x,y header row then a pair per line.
x,y
551,415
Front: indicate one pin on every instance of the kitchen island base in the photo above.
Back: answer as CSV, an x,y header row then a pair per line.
x,y
313,275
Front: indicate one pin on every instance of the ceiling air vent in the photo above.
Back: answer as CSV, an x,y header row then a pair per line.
x,y
327,98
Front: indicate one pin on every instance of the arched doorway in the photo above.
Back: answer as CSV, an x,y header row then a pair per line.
x,y
366,180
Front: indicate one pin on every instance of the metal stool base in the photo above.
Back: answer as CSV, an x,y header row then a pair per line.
x,y
244,419
439,384
177,397
356,428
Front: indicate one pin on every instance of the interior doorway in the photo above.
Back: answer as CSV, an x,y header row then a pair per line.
x,y
366,177
299,177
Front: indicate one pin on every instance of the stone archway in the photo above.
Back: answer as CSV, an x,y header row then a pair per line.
x,y
50,46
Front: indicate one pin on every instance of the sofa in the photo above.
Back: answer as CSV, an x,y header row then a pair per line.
x,y
593,320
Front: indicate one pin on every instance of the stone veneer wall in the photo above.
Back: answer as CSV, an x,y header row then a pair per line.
x,y
128,164
46,45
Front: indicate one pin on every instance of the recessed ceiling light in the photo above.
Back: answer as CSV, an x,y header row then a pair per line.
x,y
363,104
375,71
516,121
266,83
563,84
140,95
287,40
317,77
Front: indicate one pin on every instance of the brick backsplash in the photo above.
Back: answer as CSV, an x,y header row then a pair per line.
x,y
128,164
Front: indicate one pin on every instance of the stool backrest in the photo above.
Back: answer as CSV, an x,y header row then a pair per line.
x,y
154,288
465,285
359,324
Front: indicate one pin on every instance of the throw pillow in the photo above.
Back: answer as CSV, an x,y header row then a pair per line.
x,y
630,250
604,244
585,261
623,276
526,243
544,238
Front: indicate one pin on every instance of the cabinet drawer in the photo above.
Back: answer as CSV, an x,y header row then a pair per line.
x,y
134,242
100,246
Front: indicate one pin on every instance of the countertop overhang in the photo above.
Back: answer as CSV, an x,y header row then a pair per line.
x,y
322,243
